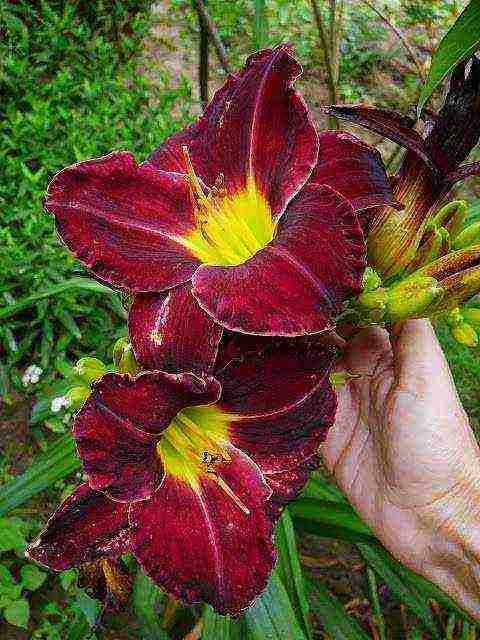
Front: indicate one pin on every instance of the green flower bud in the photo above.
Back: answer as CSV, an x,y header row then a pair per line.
x,y
90,369
453,317
371,280
471,315
465,334
467,237
118,349
127,363
77,396
373,299
411,297
451,216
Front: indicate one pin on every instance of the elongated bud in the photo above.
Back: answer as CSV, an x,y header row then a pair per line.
x,y
453,317
458,214
430,250
77,396
471,315
411,297
468,237
371,280
90,369
118,349
465,334
452,263
127,363
373,299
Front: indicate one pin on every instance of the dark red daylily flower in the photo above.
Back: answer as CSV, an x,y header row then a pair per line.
x,y
429,170
249,204
190,471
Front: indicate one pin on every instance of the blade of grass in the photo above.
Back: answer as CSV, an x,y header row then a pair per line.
x,y
272,616
377,610
259,25
59,461
73,283
326,512
290,571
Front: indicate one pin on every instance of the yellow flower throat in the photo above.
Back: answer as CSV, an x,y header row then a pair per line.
x,y
230,228
194,444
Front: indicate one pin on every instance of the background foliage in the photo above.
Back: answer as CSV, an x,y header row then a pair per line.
x,y
80,79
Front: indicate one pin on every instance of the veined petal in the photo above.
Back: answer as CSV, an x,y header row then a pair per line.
x,y
86,527
118,426
298,284
256,129
286,485
281,402
354,169
200,545
125,221
169,331
387,123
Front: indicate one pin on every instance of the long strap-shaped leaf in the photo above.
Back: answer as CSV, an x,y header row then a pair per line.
x,y
56,463
272,617
290,571
146,597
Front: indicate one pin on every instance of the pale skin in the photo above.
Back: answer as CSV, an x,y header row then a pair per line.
x,y
403,452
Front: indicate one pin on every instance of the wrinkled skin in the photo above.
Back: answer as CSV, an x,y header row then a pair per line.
x,y
404,453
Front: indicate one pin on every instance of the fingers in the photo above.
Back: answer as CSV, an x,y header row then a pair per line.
x,y
364,351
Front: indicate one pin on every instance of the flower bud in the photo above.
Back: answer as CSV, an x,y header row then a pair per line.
x,y
371,280
118,349
465,334
430,250
453,317
471,315
411,297
77,395
451,216
90,369
127,363
468,237
373,299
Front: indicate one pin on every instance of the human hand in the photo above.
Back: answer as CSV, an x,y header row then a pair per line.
x,y
403,452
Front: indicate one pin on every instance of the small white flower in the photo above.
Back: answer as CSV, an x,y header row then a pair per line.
x,y
59,403
32,375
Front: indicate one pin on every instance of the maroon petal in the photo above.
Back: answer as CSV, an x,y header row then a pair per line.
x,y
286,485
281,402
387,123
200,545
86,527
256,127
354,169
298,284
462,173
117,426
169,331
124,221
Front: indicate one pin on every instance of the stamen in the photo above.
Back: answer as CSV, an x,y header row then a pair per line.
x,y
223,485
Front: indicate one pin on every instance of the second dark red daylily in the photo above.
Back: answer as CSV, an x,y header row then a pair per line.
x,y
189,471
249,204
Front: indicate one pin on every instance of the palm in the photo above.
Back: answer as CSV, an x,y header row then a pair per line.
x,y
404,454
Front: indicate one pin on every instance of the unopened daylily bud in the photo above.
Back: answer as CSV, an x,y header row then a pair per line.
x,y
127,363
471,315
430,250
118,349
90,369
371,280
411,297
373,299
465,334
468,237
453,317
77,395
458,212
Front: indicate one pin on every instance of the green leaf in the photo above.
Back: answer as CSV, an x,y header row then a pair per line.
x,y
18,613
146,600
90,607
338,624
259,25
290,571
73,283
11,535
32,577
215,626
320,489
331,520
460,41
8,588
59,461
407,593
272,616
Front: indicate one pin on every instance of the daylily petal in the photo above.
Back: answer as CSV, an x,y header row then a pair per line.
x,y
387,123
169,331
124,221
281,402
296,285
463,172
115,429
286,485
87,526
198,544
256,128
354,169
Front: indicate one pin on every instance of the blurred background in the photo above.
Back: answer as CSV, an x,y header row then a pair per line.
x,y
79,79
